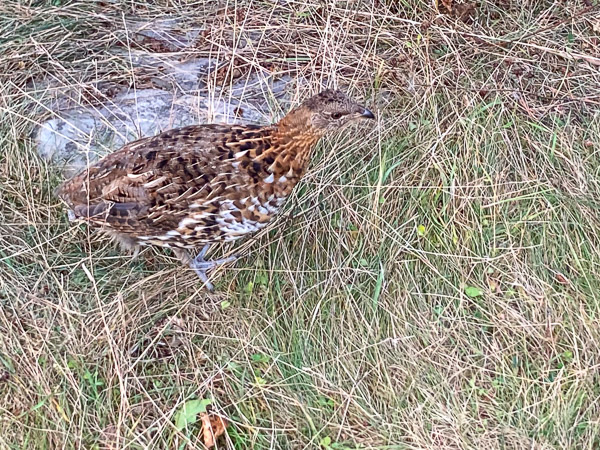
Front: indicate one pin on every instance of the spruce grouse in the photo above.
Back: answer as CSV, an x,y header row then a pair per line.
x,y
189,187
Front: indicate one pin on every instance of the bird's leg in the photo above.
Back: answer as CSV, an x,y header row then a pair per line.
x,y
136,252
201,266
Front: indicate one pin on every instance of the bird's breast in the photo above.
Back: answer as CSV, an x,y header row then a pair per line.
x,y
223,219
247,214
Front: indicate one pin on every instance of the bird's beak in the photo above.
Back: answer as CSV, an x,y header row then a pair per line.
x,y
366,114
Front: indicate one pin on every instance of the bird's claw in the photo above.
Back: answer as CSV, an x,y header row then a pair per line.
x,y
201,266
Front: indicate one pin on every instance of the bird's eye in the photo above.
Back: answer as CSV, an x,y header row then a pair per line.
x,y
336,115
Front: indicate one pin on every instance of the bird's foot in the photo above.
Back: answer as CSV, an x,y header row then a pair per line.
x,y
201,266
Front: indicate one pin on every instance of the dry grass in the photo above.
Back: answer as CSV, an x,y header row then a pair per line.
x,y
349,324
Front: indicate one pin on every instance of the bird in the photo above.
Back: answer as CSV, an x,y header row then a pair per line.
x,y
191,187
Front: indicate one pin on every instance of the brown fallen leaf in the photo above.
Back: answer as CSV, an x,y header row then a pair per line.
x,y
447,4
560,278
165,338
212,428
494,286
464,11
228,72
238,112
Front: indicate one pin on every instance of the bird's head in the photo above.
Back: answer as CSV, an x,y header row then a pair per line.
x,y
333,110
329,111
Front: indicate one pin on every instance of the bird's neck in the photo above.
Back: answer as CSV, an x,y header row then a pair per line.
x,y
278,154
293,140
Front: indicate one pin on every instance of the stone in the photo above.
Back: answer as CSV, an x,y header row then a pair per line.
x,y
178,96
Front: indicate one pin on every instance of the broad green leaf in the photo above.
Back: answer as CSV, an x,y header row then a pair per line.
x,y
188,413
473,291
259,357
326,442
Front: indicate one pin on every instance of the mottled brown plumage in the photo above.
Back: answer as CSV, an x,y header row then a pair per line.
x,y
189,187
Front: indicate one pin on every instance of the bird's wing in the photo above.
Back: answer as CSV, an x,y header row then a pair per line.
x,y
150,183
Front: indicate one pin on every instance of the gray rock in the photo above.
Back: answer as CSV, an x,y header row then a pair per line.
x,y
79,135
82,135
